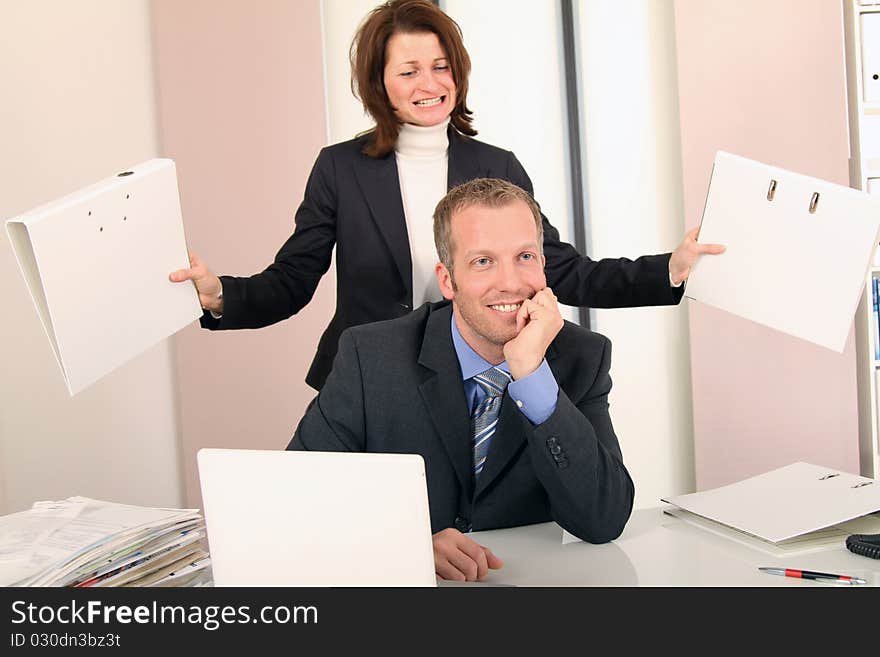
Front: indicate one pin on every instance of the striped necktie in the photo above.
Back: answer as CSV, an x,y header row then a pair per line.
x,y
485,416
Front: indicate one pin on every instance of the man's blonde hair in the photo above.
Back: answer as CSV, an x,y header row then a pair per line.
x,y
487,192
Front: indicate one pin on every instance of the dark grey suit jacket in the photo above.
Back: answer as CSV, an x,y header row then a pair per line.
x,y
353,202
396,387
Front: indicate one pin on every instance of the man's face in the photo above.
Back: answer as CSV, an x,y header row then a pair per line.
x,y
496,265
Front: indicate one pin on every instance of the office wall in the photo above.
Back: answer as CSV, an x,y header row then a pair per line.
x,y
241,109
633,170
77,106
764,80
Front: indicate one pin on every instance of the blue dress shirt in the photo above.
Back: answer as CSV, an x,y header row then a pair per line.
x,y
535,395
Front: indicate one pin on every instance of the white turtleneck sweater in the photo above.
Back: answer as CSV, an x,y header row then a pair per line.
x,y
422,165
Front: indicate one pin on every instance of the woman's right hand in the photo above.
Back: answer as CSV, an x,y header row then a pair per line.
x,y
207,284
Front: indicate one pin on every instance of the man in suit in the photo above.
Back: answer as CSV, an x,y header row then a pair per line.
x,y
506,402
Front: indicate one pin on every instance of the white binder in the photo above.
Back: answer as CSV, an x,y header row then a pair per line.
x,y
798,249
96,263
785,503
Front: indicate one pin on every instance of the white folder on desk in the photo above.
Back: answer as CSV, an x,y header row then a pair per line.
x,y
798,249
96,263
786,503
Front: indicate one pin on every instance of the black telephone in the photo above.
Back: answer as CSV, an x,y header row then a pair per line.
x,y
867,545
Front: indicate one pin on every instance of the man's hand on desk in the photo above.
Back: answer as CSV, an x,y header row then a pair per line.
x,y
459,558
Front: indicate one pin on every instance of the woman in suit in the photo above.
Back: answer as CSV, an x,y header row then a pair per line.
x,y
373,198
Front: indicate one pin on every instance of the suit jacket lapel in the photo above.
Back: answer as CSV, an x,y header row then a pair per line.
x,y
380,186
509,438
463,163
443,395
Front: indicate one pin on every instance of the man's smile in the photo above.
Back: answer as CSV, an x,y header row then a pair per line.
x,y
506,307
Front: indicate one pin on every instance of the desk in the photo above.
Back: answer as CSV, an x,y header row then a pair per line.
x,y
655,549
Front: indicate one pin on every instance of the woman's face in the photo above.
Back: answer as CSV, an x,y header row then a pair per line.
x,y
418,79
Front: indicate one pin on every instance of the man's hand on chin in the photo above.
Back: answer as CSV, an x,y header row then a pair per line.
x,y
538,322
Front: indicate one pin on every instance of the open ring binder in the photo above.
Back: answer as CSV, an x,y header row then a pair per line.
x,y
792,263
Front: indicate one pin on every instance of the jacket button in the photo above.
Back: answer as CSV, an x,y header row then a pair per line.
x,y
462,524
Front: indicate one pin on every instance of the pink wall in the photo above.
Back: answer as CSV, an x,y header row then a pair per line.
x,y
241,111
764,80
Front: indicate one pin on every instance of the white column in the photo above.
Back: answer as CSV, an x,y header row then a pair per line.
x,y
345,114
517,92
633,162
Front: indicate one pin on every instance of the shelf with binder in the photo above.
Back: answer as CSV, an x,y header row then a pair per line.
x,y
875,318
867,330
862,48
868,25
871,172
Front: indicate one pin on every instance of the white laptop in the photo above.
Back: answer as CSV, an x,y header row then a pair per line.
x,y
280,518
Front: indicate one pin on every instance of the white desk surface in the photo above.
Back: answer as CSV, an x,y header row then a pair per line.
x,y
655,549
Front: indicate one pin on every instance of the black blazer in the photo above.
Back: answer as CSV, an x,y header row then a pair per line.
x,y
353,202
396,387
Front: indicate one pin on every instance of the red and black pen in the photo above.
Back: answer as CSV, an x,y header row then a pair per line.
x,y
810,574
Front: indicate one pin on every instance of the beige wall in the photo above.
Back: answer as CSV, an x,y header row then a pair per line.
x,y
241,109
78,106
764,80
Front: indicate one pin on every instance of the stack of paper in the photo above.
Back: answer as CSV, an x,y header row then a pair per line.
x,y
85,542
799,507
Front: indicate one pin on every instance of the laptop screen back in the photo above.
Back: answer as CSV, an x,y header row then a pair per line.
x,y
283,518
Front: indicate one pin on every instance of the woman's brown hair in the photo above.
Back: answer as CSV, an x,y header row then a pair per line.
x,y
367,56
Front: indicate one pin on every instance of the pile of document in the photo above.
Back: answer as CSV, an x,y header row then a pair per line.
x,y
85,542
